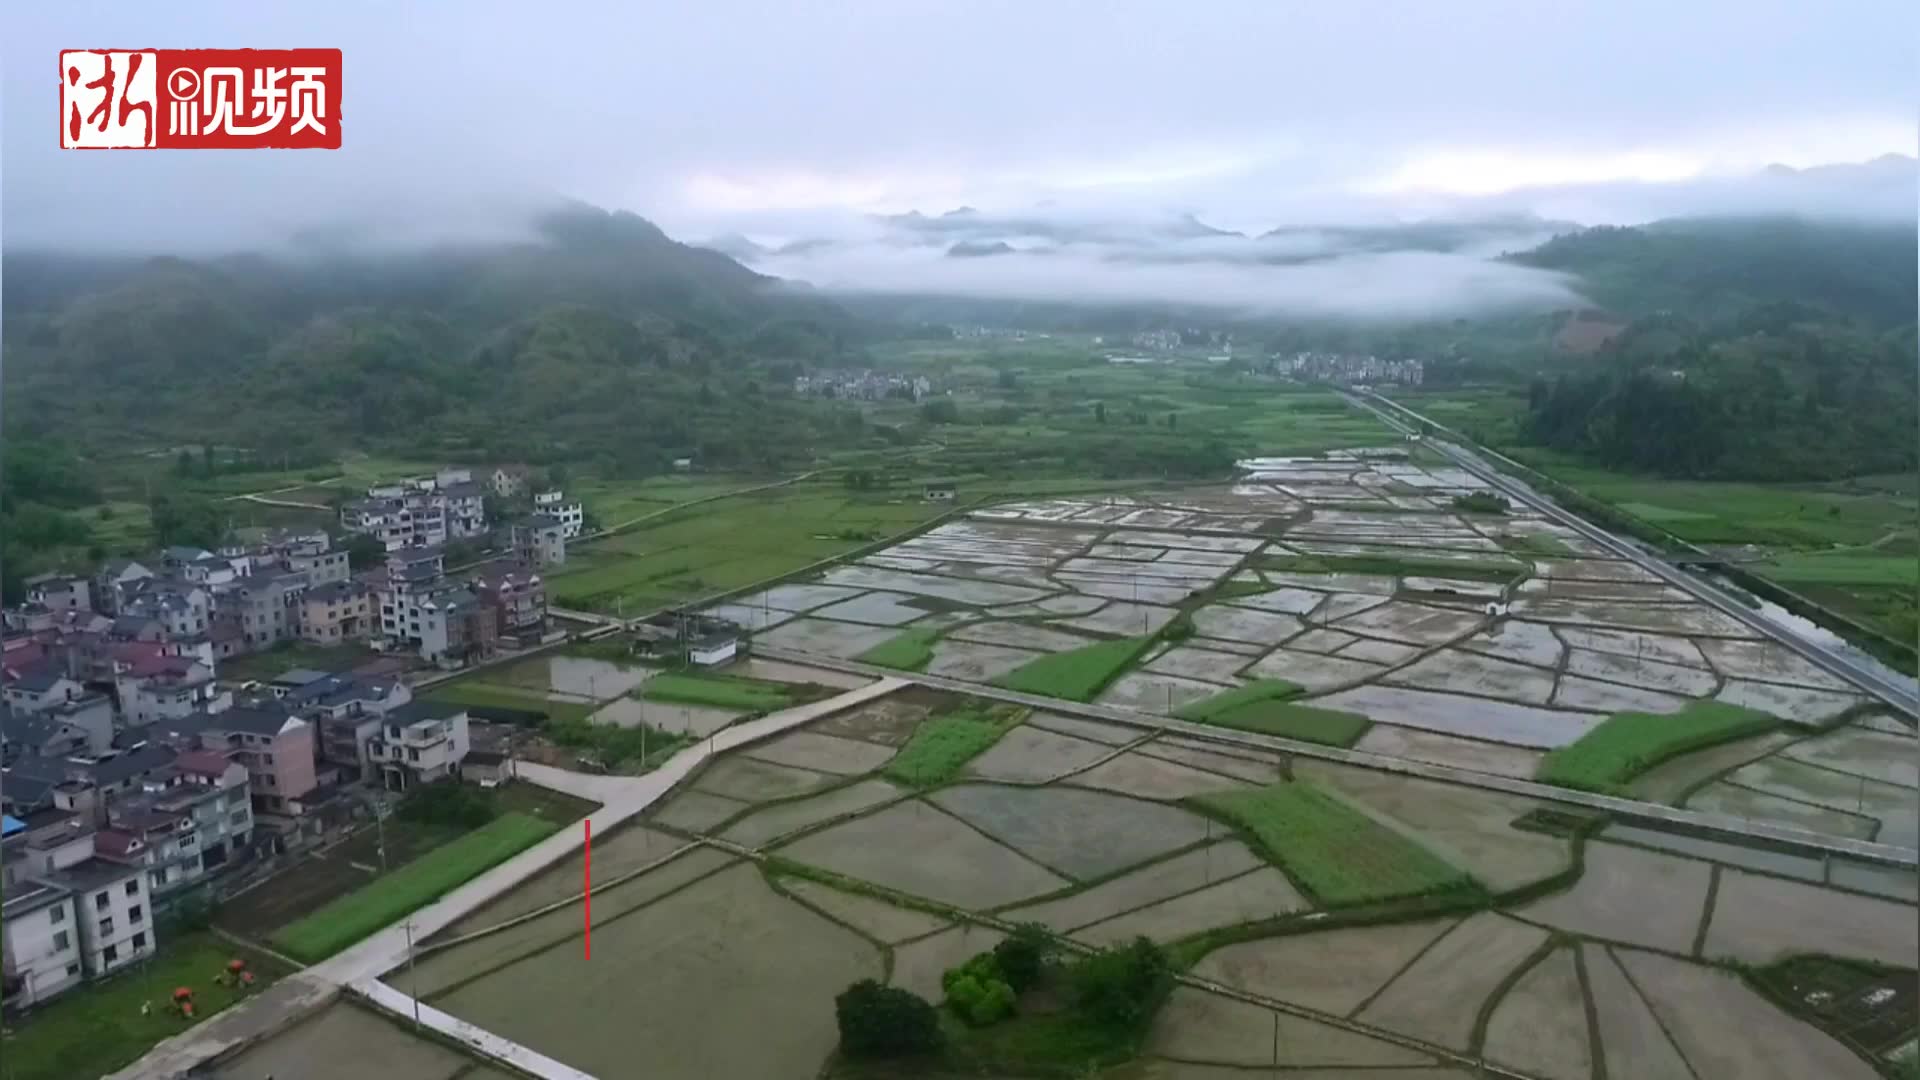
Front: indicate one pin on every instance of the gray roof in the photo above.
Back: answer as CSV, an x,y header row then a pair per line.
x,y
337,590
31,896
40,678
92,874
545,521
299,676
122,766
417,710
30,729
253,721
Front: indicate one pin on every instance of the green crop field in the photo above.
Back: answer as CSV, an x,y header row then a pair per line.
x,y
1261,706
907,651
1839,568
1339,855
1625,745
1078,674
480,694
413,886
726,692
728,544
943,744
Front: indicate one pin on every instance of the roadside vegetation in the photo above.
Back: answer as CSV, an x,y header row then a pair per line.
x,y
1339,855
942,745
1262,706
426,879
1627,744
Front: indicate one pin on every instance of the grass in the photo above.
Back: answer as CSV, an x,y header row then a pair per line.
x,y
1335,852
1078,674
266,665
722,691
1262,706
486,695
910,650
1627,744
1839,568
426,879
943,744
727,544
1394,566
94,1030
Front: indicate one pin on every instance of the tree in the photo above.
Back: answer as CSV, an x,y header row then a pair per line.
x,y
1119,987
1099,412
187,520
183,463
206,459
884,1021
364,551
940,411
1023,954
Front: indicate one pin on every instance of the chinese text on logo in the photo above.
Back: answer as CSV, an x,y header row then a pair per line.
x,y
200,99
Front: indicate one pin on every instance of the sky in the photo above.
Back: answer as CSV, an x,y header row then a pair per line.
x,y
785,120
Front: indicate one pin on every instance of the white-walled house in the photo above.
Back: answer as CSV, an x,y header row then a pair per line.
x,y
420,742
570,512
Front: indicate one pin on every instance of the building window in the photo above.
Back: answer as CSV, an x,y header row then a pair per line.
x,y
159,877
112,953
106,927
139,941
133,887
133,914
72,970
60,941
101,900
59,914
268,758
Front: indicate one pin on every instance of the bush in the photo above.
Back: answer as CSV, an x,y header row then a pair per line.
x,y
1118,988
884,1021
1482,502
1022,955
449,802
1178,629
979,1000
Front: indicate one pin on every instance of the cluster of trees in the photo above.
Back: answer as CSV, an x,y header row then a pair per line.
x,y
1777,395
1113,992
42,485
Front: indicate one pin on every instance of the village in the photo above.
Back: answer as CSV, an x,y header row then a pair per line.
x,y
145,770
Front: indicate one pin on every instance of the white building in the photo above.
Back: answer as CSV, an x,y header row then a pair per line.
x,y
572,515
420,742
425,511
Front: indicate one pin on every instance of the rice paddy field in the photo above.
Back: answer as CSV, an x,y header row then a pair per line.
x,y
1380,925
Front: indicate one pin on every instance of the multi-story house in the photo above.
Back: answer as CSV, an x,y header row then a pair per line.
x,y
541,540
82,727
320,567
186,823
269,607
412,575
277,749
39,687
348,712
509,480
113,578
167,688
39,921
466,509
572,515
454,627
182,608
518,599
337,611
60,592
114,911
420,742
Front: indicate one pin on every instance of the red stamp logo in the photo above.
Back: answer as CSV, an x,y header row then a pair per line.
x,y
200,99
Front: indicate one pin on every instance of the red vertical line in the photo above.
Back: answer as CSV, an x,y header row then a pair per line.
x,y
587,893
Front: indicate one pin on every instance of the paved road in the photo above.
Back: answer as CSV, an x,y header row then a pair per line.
x,y
1872,682
1625,809
360,967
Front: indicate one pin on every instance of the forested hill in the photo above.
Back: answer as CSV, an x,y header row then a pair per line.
x,y
597,335
1715,269
1776,395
